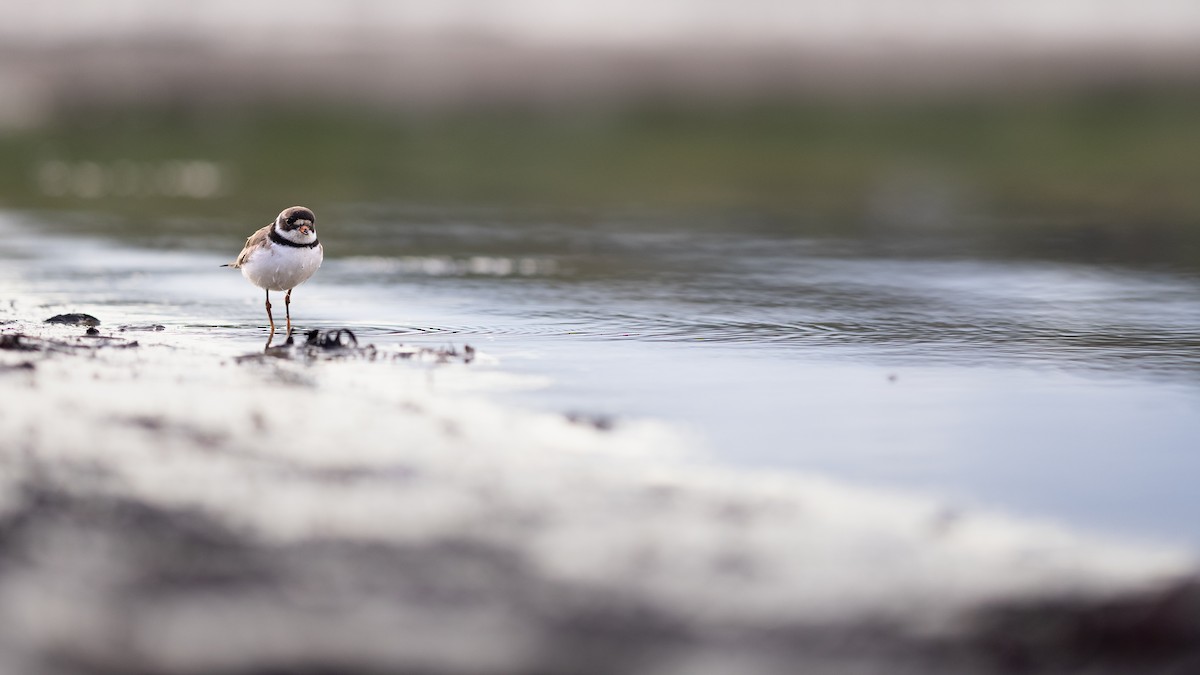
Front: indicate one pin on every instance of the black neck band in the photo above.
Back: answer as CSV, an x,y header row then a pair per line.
x,y
280,239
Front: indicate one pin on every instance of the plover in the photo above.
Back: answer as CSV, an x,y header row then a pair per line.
x,y
281,256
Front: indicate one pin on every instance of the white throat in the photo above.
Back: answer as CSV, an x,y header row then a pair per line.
x,y
295,236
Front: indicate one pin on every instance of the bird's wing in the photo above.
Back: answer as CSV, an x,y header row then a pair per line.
x,y
255,241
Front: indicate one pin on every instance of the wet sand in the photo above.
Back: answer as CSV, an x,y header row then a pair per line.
x,y
177,504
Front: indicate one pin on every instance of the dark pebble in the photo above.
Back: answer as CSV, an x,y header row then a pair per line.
x,y
74,320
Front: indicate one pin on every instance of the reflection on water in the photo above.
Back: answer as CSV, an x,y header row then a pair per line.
x,y
943,303
1054,388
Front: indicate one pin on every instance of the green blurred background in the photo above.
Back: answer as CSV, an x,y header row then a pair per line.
x,y
1083,131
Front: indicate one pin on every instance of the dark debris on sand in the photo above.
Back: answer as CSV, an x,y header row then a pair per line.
x,y
14,340
21,342
342,343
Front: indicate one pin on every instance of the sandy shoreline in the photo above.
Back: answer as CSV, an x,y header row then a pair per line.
x,y
169,507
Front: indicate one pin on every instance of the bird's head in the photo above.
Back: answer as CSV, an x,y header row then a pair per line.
x,y
297,224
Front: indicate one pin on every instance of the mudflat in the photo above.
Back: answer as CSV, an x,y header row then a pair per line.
x,y
171,503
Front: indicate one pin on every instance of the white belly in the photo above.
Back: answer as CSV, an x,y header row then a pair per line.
x,y
282,268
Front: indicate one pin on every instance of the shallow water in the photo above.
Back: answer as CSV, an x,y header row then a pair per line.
x,y
1056,389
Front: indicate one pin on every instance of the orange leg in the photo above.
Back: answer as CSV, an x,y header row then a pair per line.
x,y
287,308
270,318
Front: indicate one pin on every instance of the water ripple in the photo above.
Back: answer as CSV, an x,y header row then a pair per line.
x,y
1171,351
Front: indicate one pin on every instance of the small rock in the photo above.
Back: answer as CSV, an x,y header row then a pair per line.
x,y
74,320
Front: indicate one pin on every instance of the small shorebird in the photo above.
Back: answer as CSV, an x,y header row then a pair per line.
x,y
281,256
